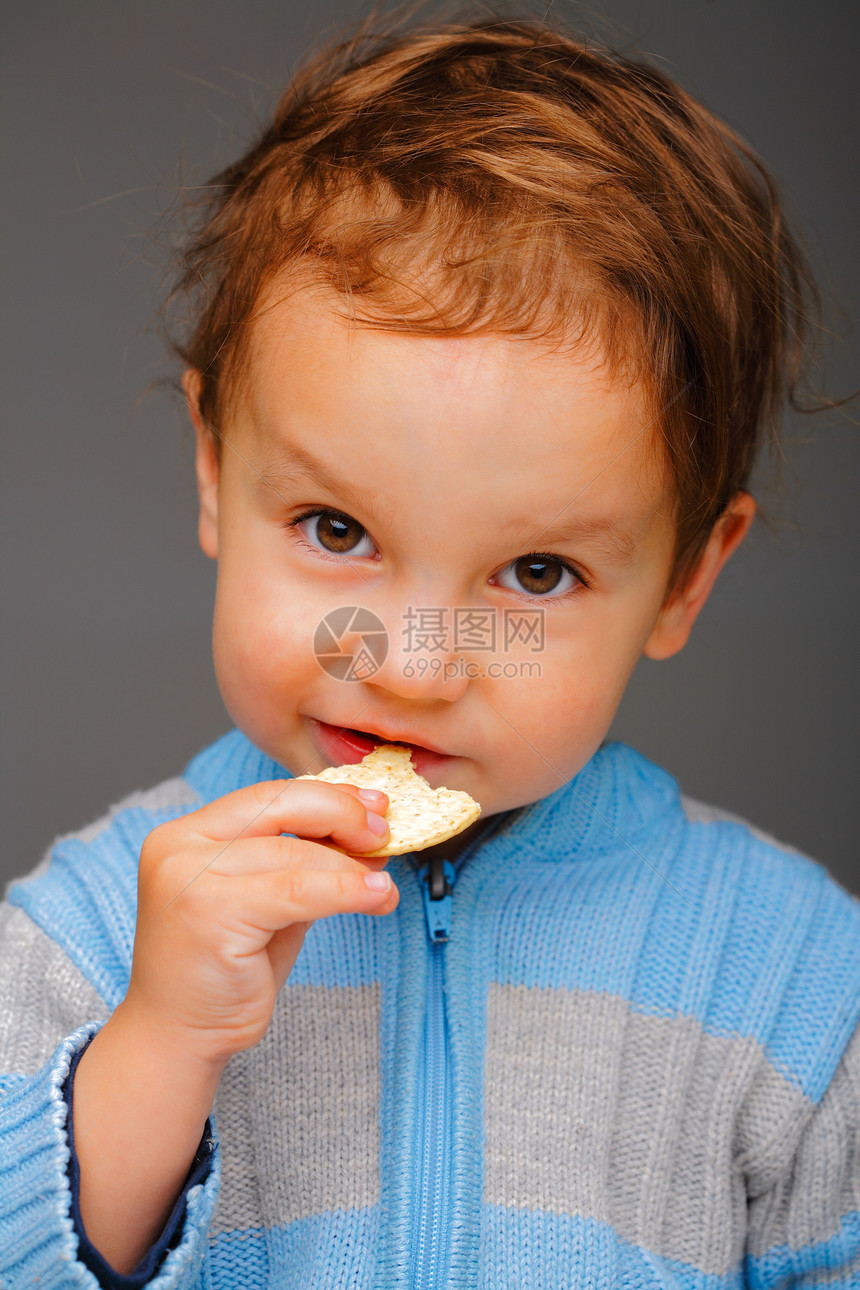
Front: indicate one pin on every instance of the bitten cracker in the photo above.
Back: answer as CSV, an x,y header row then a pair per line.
x,y
418,816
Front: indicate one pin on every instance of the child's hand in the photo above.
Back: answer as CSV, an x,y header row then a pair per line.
x,y
224,903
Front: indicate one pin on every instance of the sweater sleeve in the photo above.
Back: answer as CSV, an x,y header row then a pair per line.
x,y
170,1235
46,1006
804,1224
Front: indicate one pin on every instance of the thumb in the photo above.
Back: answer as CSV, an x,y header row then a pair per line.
x,y
283,950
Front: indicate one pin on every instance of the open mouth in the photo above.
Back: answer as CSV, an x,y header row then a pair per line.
x,y
376,740
346,744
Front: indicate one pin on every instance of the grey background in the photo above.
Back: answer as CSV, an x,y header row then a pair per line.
x,y
107,677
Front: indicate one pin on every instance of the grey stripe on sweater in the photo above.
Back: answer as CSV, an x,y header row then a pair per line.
x,y
644,1122
38,983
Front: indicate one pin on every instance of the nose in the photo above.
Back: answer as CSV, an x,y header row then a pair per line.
x,y
421,662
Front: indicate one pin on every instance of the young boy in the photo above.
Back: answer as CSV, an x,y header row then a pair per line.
x,y
488,327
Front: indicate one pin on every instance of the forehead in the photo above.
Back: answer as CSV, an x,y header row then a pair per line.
x,y
478,415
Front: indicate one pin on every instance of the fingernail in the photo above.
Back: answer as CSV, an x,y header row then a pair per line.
x,y
369,795
376,823
377,881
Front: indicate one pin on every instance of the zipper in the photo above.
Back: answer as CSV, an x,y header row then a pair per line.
x,y
431,1227
433,1222
437,880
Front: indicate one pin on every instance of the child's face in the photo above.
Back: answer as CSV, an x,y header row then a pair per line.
x,y
446,462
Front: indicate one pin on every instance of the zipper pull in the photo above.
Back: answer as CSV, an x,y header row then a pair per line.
x,y
437,879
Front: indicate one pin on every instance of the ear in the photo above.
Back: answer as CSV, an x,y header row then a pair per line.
x,y
206,464
673,626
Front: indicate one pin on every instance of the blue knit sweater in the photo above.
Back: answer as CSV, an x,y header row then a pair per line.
x,y
634,1063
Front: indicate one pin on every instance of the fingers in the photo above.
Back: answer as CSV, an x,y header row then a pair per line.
x,y
270,855
275,900
205,873
308,808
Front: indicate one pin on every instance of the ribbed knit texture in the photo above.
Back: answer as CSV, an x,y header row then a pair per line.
x,y
652,1030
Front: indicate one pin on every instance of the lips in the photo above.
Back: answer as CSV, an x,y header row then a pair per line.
x,y
375,737
343,746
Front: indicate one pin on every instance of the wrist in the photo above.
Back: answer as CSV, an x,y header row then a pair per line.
x,y
166,1042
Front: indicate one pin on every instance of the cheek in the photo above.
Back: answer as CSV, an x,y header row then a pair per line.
x,y
572,702
589,666
252,638
574,698
262,630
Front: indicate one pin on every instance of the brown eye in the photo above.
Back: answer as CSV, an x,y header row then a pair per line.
x,y
338,534
539,575
334,532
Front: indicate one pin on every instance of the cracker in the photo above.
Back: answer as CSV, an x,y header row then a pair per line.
x,y
418,816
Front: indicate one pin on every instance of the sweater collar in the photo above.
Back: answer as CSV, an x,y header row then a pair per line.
x,y
614,799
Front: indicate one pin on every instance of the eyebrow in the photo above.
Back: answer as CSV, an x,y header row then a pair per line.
x,y
603,535
293,465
